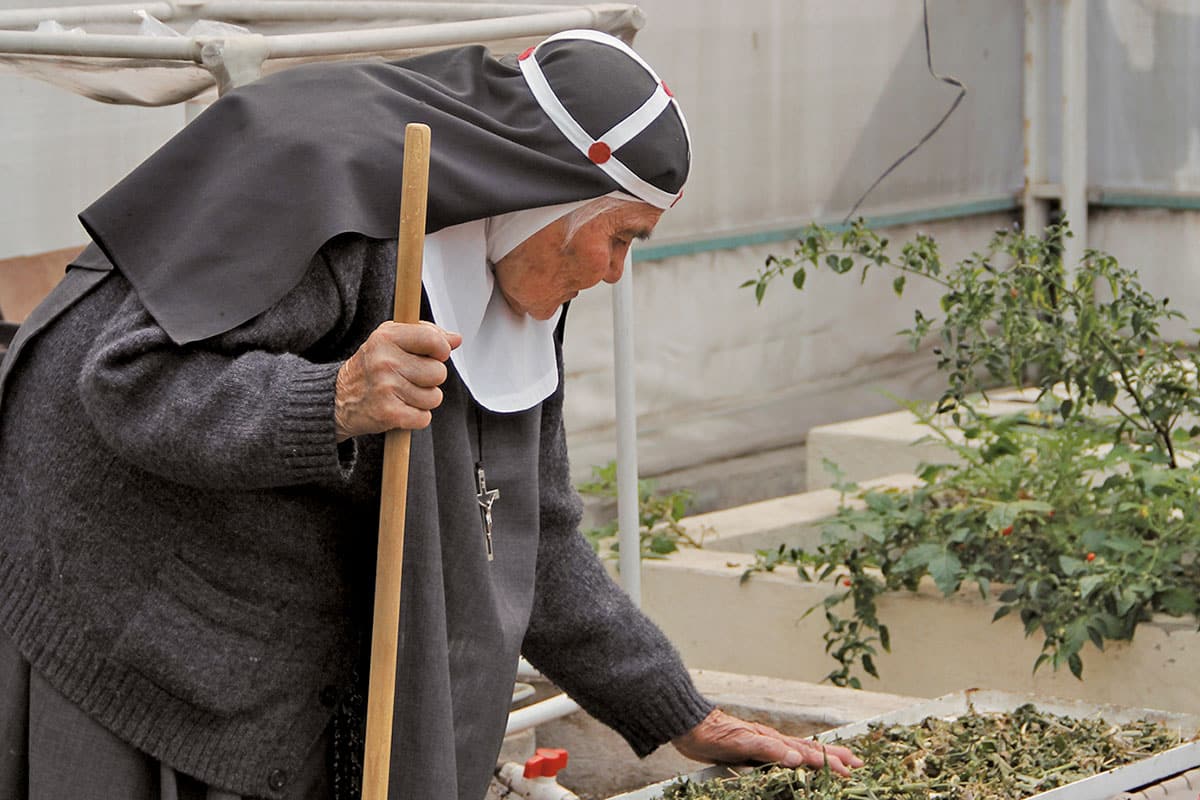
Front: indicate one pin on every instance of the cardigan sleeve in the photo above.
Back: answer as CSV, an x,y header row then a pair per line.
x,y
585,634
239,410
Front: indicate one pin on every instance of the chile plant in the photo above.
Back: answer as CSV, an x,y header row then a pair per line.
x,y
1083,514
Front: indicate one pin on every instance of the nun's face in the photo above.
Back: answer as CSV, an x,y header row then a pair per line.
x,y
545,271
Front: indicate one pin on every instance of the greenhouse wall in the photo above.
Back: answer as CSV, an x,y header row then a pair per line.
x,y
796,108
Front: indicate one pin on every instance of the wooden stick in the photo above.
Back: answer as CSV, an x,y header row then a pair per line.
x,y
381,694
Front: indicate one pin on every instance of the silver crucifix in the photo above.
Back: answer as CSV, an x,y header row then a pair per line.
x,y
485,498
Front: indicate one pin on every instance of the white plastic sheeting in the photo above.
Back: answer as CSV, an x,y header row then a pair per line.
x,y
1143,107
806,73
797,106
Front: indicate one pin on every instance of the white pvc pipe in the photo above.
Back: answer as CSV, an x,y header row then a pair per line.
x,y
192,109
1074,129
628,535
1034,215
267,10
546,711
430,35
81,15
526,671
511,775
317,10
610,17
101,45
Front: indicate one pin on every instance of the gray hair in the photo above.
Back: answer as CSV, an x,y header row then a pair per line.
x,y
588,212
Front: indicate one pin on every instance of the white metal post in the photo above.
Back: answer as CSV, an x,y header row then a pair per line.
x,y
1034,207
1074,128
192,109
630,558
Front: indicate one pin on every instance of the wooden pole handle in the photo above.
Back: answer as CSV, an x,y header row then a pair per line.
x,y
381,694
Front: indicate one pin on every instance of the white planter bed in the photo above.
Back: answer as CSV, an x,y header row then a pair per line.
x,y
601,763
939,645
897,442
891,443
1157,769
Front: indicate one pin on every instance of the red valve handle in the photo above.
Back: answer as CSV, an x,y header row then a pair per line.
x,y
546,762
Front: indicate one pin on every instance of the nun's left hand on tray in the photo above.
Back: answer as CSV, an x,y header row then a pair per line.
x,y
724,739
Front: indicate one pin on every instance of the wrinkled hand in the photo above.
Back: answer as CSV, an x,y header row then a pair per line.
x,y
724,739
392,380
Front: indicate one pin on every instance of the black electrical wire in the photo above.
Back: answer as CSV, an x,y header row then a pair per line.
x,y
962,92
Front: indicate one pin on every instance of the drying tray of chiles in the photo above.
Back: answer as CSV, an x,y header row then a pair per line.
x,y
975,745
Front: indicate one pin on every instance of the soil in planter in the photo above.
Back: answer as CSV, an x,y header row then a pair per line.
x,y
977,756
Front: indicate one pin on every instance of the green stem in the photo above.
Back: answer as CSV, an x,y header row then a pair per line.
x,y
1139,401
971,454
1129,386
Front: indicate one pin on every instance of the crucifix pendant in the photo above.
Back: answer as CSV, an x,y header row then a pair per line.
x,y
485,497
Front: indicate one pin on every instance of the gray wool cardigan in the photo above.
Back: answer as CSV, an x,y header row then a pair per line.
x,y
187,554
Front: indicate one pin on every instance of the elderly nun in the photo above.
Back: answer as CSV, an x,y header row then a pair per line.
x,y
191,452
